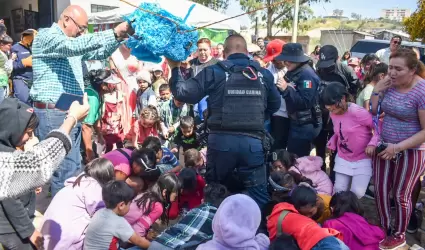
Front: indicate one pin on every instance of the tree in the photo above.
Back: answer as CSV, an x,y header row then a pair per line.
x,y
415,24
338,12
280,15
356,16
218,5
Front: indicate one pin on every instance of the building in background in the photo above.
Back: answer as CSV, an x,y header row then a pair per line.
x,y
343,40
388,34
395,14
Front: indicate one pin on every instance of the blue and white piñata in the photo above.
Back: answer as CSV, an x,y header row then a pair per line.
x,y
155,36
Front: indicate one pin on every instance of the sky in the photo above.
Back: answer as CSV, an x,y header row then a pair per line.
x,y
367,8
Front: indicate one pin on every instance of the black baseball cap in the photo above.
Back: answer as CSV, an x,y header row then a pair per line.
x,y
328,55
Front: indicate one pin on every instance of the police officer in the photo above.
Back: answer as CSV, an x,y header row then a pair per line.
x,y
299,89
241,97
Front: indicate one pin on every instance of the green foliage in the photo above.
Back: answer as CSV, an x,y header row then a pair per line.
x,y
218,5
281,15
415,24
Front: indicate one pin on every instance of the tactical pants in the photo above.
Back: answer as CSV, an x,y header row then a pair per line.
x,y
301,138
237,161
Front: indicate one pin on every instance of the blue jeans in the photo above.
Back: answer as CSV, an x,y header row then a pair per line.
x,y
330,243
3,93
301,138
21,90
237,161
52,119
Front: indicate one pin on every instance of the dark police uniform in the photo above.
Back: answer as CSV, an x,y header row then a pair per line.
x,y
304,111
302,100
241,97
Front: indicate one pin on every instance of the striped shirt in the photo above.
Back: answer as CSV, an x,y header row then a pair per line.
x,y
401,119
57,61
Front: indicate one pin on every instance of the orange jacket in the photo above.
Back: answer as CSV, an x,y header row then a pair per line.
x,y
305,231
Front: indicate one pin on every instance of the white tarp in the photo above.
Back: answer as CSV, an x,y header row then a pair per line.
x,y
199,16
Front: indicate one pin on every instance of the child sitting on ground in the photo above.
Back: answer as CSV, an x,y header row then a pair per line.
x,y
192,193
166,160
149,124
153,204
108,225
289,219
347,218
308,166
281,184
235,225
197,160
196,226
310,204
185,136
136,183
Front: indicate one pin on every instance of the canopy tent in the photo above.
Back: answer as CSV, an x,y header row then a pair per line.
x,y
199,16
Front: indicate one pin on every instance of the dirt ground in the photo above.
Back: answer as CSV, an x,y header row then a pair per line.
x,y
43,200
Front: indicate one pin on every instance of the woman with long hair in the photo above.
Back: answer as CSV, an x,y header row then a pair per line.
x,y
346,57
400,160
70,212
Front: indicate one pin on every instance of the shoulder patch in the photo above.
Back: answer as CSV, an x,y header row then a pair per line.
x,y
307,84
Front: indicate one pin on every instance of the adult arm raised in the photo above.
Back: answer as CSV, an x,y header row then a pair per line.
x,y
23,171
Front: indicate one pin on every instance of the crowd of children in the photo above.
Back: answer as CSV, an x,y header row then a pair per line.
x,y
139,194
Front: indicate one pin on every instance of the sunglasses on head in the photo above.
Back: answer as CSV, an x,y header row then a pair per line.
x,y
147,169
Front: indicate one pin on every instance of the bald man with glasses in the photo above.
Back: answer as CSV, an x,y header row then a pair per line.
x,y
58,55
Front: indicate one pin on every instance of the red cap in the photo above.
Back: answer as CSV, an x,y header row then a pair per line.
x,y
274,48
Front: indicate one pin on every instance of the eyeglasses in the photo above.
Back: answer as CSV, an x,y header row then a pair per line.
x,y
396,42
81,28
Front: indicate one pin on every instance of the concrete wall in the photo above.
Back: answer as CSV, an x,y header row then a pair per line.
x,y
8,6
342,40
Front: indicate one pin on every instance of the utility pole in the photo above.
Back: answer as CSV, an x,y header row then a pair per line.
x,y
295,21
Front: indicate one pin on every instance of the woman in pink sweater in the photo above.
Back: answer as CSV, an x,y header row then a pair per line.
x,y
353,140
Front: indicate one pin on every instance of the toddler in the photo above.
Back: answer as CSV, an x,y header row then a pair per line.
x,y
145,94
147,125
192,186
164,93
308,167
197,160
185,136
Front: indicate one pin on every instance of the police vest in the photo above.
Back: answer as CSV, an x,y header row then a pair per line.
x,y
312,115
243,104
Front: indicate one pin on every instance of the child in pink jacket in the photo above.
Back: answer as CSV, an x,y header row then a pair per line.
x,y
308,167
347,218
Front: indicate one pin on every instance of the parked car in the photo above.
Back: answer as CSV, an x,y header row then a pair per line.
x,y
367,46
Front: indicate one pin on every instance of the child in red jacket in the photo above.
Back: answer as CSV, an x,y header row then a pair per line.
x,y
192,193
